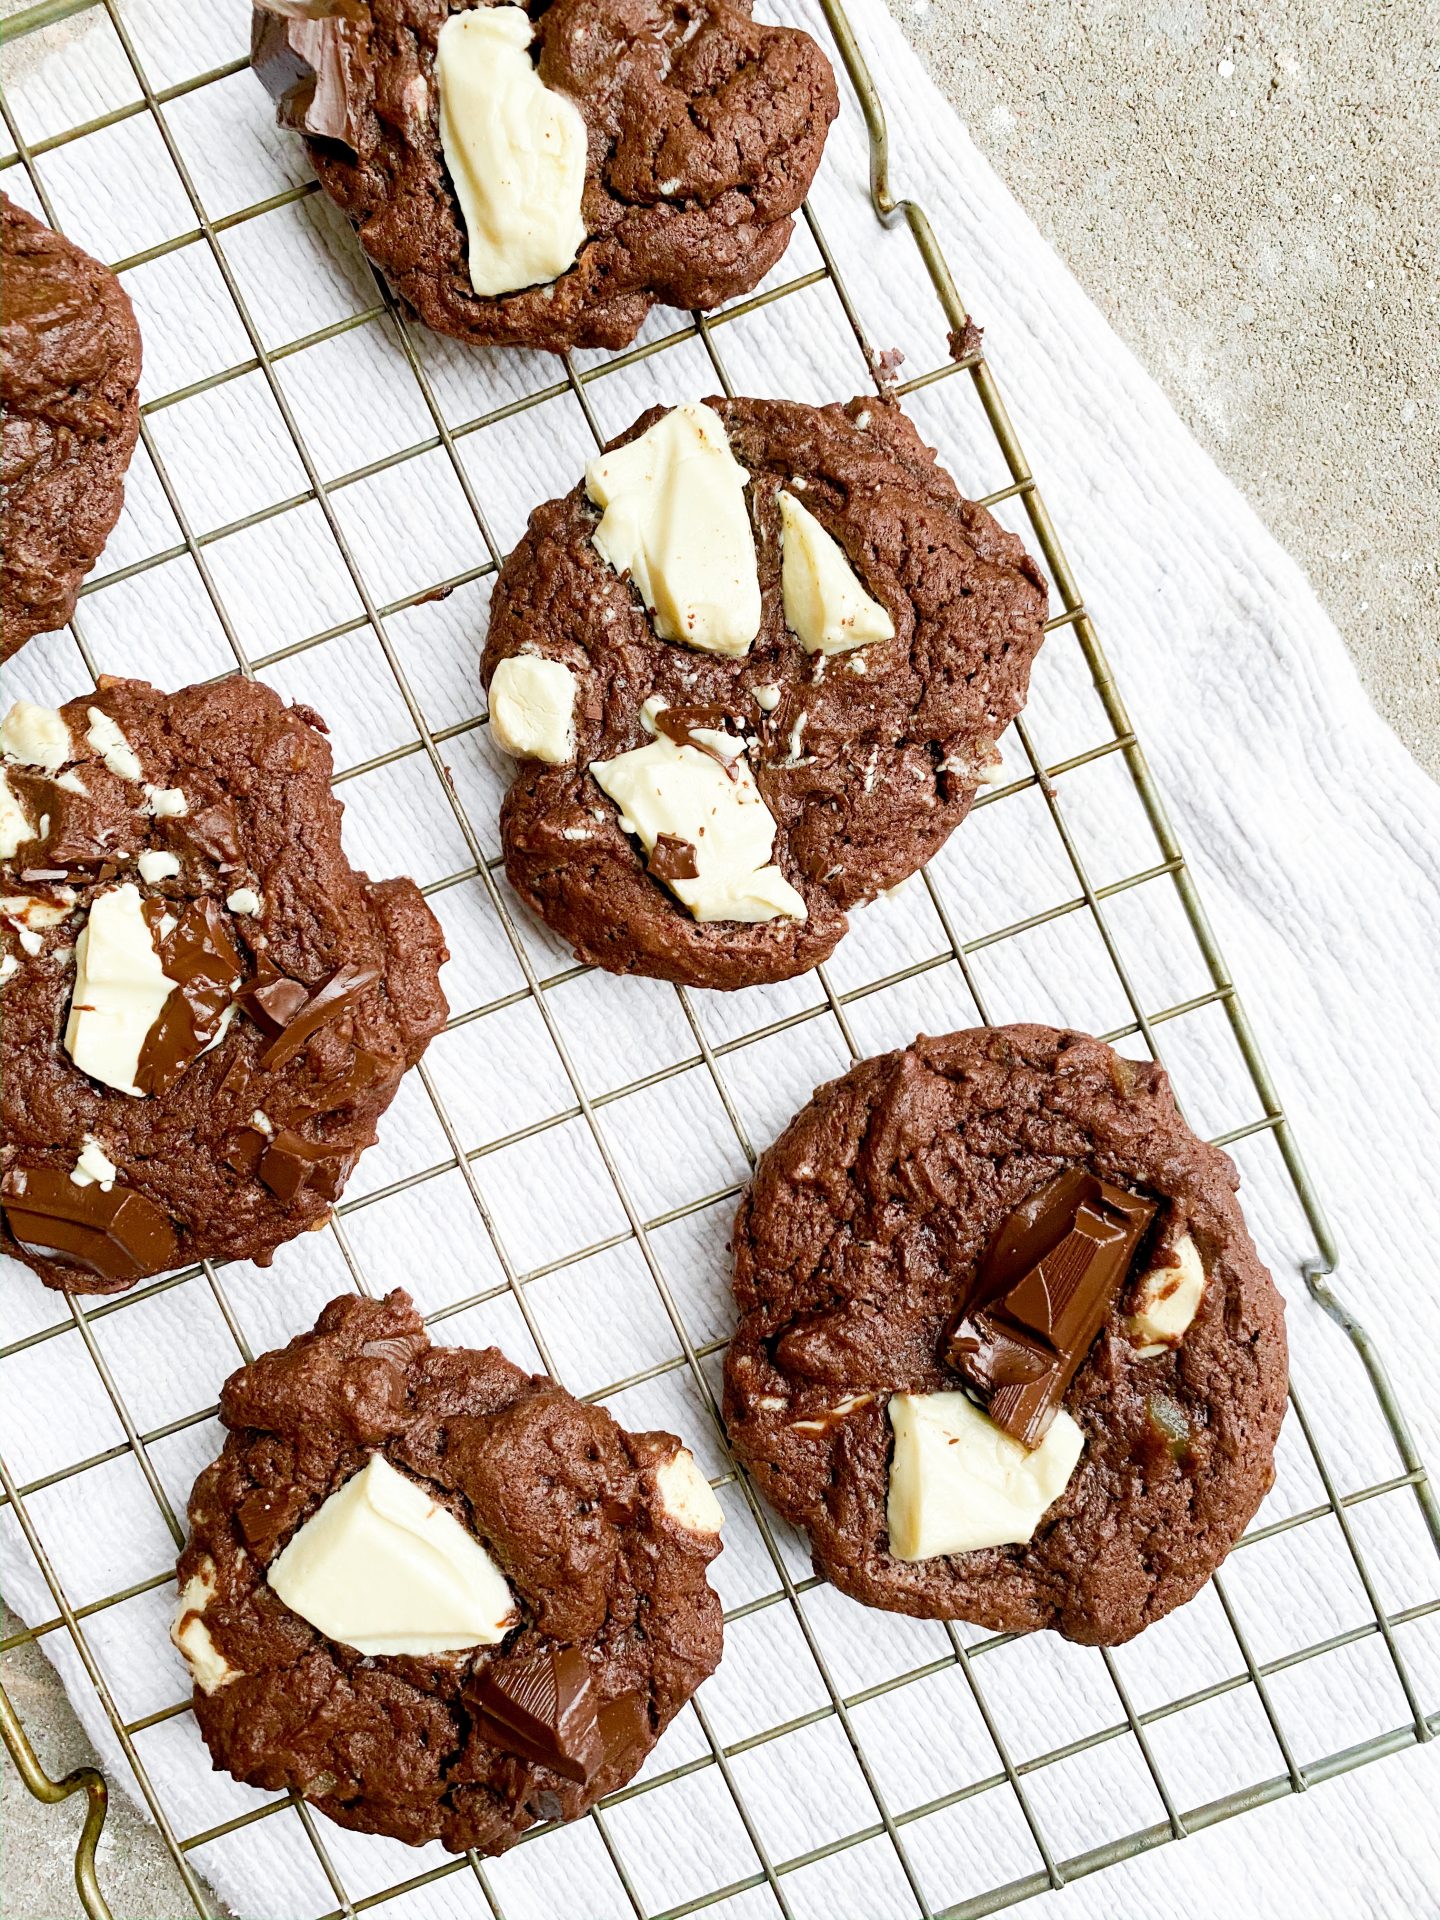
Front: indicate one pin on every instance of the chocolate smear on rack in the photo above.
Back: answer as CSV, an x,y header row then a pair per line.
x,y
672,858
201,958
1048,1280
120,1236
313,59
543,1707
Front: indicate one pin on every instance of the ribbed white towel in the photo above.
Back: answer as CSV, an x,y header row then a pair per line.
x,y
1314,837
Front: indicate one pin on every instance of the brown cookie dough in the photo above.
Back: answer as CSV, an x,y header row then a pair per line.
x,y
705,129
858,1244
71,353
299,991
595,1529
867,760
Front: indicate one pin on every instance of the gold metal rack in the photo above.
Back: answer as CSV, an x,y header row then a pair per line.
x,y
886,1825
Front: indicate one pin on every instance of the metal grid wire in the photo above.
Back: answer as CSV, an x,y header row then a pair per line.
x,y
887,1822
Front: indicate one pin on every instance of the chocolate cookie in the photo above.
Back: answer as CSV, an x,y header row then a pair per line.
x,y
547,192
1006,1351
798,599
525,1579
206,1010
72,412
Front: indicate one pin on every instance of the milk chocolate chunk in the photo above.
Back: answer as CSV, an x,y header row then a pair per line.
x,y
625,1730
120,1235
211,831
291,1163
1049,1278
200,957
325,1002
690,726
544,1709
313,59
674,859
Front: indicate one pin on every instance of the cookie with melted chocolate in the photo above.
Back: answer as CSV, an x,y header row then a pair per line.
x,y
284,993
603,1536
71,387
972,1216
868,759
704,130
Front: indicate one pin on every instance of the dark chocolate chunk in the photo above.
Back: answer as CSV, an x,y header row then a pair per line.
x,y
291,1163
313,59
200,957
625,1730
673,859
120,1235
1049,1278
543,1708
268,1515
326,1002
211,831
273,999
681,725
243,1149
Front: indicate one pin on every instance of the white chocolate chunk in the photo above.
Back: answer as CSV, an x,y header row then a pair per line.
x,y
686,1494
826,608
156,865
663,788
515,150
1167,1301
767,698
957,1482
382,1568
120,988
244,900
93,1166
165,802
24,910
70,782
532,709
831,1416
676,521
112,746
15,827
209,1668
8,965
36,736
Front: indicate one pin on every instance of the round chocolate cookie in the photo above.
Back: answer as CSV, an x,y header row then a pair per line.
x,y
1006,1351
866,739
206,1010
528,1581
696,133
71,378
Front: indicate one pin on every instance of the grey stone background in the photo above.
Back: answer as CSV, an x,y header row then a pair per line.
x,y
1250,190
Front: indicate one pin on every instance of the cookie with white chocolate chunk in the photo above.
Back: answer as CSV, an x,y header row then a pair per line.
x,y
204,1010
753,668
435,1595
541,175
1006,1351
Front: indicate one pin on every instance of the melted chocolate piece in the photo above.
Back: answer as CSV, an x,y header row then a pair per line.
x,y
273,999
210,831
243,1149
544,1709
625,1730
325,1002
266,1516
673,859
201,958
313,59
364,1069
120,1235
681,724
291,1163
1049,1278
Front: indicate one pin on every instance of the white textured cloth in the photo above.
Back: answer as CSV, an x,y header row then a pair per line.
x,y
1314,838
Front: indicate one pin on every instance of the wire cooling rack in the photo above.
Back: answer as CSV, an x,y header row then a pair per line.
x,y
841,1761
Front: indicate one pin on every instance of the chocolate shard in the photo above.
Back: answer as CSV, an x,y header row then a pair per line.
x,y
673,859
291,1163
266,1516
244,1148
313,59
543,1708
321,1004
625,1731
202,960
681,724
273,999
210,831
1047,1282
120,1235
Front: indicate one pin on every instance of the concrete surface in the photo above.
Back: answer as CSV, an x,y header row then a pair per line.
x,y
1251,192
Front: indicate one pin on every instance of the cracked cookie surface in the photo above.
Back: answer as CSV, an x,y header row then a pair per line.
x,y
573,1509
859,1240
867,760
313,988
705,128
72,413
